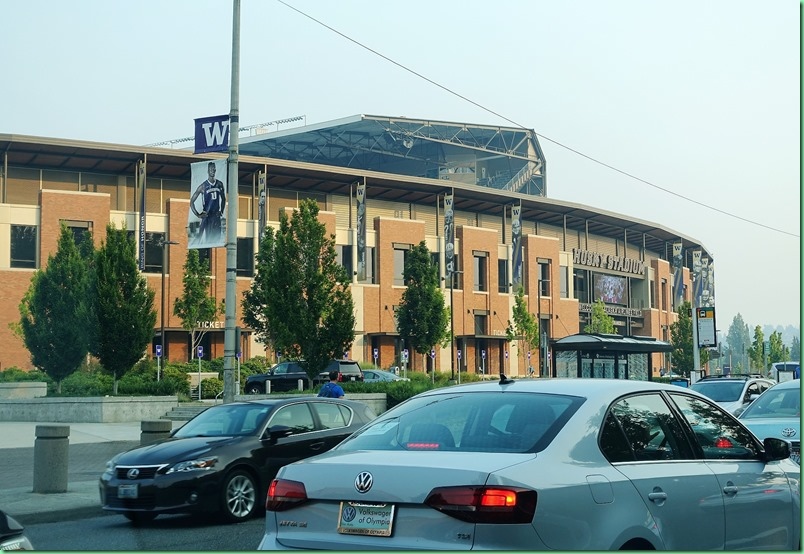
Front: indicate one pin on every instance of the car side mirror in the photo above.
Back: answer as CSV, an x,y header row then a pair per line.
x,y
776,449
276,432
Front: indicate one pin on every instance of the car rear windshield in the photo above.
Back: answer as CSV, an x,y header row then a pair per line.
x,y
775,403
469,422
720,391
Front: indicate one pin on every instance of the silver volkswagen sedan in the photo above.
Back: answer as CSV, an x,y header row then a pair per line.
x,y
563,464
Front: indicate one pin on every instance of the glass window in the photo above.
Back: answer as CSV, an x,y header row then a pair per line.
x,y
82,231
502,276
651,431
330,415
245,256
718,435
295,416
581,280
370,265
544,278
23,246
400,256
481,271
153,252
563,273
480,324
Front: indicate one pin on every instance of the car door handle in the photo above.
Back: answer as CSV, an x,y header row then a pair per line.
x,y
730,490
317,446
657,496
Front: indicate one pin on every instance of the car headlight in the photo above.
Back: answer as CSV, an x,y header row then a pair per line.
x,y
192,465
111,464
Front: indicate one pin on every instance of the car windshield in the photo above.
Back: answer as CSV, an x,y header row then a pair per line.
x,y
228,420
469,422
720,391
775,402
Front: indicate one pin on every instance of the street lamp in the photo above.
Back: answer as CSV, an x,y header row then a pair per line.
x,y
165,244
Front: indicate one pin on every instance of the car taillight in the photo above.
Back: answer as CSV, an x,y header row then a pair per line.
x,y
723,442
484,504
284,495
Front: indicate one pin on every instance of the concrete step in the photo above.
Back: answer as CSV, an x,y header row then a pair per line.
x,y
186,411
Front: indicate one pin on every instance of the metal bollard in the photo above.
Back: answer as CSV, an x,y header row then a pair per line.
x,y
51,454
152,430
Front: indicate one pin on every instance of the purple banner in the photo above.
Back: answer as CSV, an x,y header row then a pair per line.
x,y
212,134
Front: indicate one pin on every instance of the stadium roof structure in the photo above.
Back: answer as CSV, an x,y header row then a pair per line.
x,y
504,158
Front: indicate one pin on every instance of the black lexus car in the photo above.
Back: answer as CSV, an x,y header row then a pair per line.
x,y
224,458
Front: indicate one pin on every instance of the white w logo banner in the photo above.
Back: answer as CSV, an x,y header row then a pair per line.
x,y
212,134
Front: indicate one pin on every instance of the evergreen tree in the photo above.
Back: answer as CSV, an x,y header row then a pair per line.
x,y
422,318
124,305
523,326
756,353
778,350
601,322
795,349
195,305
55,319
300,301
739,340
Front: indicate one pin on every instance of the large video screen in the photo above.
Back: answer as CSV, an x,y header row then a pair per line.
x,y
610,289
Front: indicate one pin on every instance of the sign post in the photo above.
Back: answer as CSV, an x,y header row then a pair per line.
x,y
432,357
405,362
158,361
200,355
483,361
376,355
459,367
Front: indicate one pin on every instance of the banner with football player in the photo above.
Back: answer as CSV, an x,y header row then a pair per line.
x,y
206,220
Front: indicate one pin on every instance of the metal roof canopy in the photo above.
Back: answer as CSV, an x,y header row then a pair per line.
x,y
610,343
305,177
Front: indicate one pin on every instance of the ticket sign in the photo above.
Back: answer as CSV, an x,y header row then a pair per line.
x,y
706,327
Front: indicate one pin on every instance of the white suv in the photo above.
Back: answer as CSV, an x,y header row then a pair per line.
x,y
733,392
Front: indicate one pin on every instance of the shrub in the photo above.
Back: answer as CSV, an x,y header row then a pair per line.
x,y
85,383
211,388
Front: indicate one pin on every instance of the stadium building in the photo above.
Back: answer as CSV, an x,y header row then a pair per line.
x,y
406,175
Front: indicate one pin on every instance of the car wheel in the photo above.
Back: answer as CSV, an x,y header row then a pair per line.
x,y
140,517
254,389
239,500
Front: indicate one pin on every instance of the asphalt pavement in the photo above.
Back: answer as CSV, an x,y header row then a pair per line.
x,y
91,445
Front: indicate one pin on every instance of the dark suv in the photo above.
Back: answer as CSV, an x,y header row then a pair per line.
x,y
285,376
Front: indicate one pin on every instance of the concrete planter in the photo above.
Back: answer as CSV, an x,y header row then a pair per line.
x,y
87,410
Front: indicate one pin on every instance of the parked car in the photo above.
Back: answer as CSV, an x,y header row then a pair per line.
x,y
732,392
224,458
777,413
285,376
12,534
380,375
537,464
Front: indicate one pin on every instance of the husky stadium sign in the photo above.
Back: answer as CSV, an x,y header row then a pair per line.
x,y
606,261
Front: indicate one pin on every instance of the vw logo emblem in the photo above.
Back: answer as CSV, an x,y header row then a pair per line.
x,y
133,473
363,481
348,514
788,432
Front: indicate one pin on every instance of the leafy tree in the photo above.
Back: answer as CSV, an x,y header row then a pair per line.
x,y
738,339
422,318
54,315
683,355
756,353
795,349
778,350
601,322
195,305
300,300
124,305
524,328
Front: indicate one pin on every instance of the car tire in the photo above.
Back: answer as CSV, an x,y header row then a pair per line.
x,y
239,496
254,389
140,517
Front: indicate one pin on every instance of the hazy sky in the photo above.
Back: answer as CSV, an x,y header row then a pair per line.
x,y
701,99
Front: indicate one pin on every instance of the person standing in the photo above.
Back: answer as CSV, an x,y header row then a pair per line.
x,y
213,203
332,389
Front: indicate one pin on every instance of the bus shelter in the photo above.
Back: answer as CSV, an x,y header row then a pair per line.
x,y
608,356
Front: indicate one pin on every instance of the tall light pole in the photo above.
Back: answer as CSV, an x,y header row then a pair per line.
x,y
165,245
452,321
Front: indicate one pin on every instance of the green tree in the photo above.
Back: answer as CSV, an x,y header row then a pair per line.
x,y
523,327
601,322
683,355
300,300
195,305
756,353
54,316
795,349
124,305
422,318
778,350
739,340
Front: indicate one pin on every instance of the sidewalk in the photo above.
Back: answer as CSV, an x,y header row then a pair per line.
x,y
91,445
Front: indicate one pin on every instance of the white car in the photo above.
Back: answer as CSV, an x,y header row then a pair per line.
x,y
733,392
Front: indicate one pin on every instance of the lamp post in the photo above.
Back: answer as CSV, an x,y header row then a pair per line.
x,y
452,320
165,245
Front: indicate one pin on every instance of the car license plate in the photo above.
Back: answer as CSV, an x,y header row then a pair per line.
x,y
127,491
359,518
